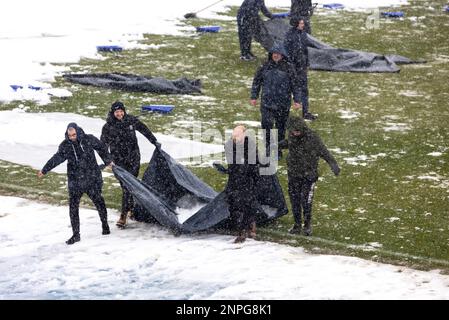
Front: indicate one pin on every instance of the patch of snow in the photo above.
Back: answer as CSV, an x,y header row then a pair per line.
x,y
348,114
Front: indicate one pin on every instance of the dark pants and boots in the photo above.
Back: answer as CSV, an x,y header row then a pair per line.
x,y
94,194
241,208
270,118
127,198
246,30
304,86
301,197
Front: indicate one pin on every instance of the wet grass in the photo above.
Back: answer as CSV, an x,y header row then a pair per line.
x,y
390,202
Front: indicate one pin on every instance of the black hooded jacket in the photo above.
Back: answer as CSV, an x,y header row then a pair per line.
x,y
121,139
305,151
249,10
277,81
83,171
296,44
301,8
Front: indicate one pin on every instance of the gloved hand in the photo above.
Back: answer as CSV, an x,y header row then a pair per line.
x,y
157,145
219,167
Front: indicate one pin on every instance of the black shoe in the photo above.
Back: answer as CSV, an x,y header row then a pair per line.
x,y
296,229
309,116
106,229
307,228
247,57
73,239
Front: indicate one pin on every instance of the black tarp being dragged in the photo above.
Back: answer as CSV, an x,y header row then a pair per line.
x,y
130,82
168,188
328,58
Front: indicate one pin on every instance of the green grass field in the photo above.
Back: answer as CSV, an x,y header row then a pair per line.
x,y
390,202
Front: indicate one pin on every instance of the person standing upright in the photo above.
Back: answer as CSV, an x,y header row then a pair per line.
x,y
119,134
302,8
276,77
305,150
83,173
297,43
248,24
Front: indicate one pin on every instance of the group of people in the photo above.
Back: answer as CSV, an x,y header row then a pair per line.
x,y
117,146
281,77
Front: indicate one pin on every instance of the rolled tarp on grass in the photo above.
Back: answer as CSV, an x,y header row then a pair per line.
x,y
327,58
137,83
168,188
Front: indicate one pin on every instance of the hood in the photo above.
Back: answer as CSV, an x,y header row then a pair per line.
x,y
279,48
297,123
79,131
111,118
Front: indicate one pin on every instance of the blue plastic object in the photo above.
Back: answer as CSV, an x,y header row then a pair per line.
x,y
15,87
109,48
395,14
281,15
208,29
333,6
33,87
161,108
446,8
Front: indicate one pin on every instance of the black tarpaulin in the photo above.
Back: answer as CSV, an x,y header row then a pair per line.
x,y
168,186
328,58
130,82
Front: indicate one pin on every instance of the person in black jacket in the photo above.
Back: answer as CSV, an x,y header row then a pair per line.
x,y
296,44
302,8
83,173
305,150
119,134
277,79
248,24
243,171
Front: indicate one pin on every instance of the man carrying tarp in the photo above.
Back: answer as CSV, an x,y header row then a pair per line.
x,y
305,150
296,43
243,171
302,8
83,173
248,24
277,79
119,134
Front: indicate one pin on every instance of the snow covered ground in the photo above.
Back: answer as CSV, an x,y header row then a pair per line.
x,y
38,136
147,262
34,35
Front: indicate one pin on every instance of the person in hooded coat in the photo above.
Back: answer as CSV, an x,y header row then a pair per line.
x,y
305,150
302,8
277,79
243,175
296,44
83,173
119,135
248,24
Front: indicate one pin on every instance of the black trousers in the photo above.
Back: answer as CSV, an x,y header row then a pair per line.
x,y
242,208
300,191
269,119
247,27
94,193
127,198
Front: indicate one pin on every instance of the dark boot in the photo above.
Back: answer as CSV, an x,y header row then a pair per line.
x,y
296,229
121,223
308,226
252,231
105,227
241,237
75,238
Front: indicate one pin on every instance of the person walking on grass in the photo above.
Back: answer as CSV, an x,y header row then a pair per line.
x,y
276,78
305,150
119,135
83,173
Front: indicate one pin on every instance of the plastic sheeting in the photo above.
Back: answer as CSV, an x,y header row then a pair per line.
x,y
328,58
130,82
168,187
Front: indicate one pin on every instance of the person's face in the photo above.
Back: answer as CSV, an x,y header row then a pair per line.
x,y
295,133
71,132
301,25
238,135
276,56
119,114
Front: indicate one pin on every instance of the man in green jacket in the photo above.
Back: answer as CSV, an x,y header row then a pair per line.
x,y
305,150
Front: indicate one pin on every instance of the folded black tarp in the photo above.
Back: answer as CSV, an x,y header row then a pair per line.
x,y
130,82
328,58
168,186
